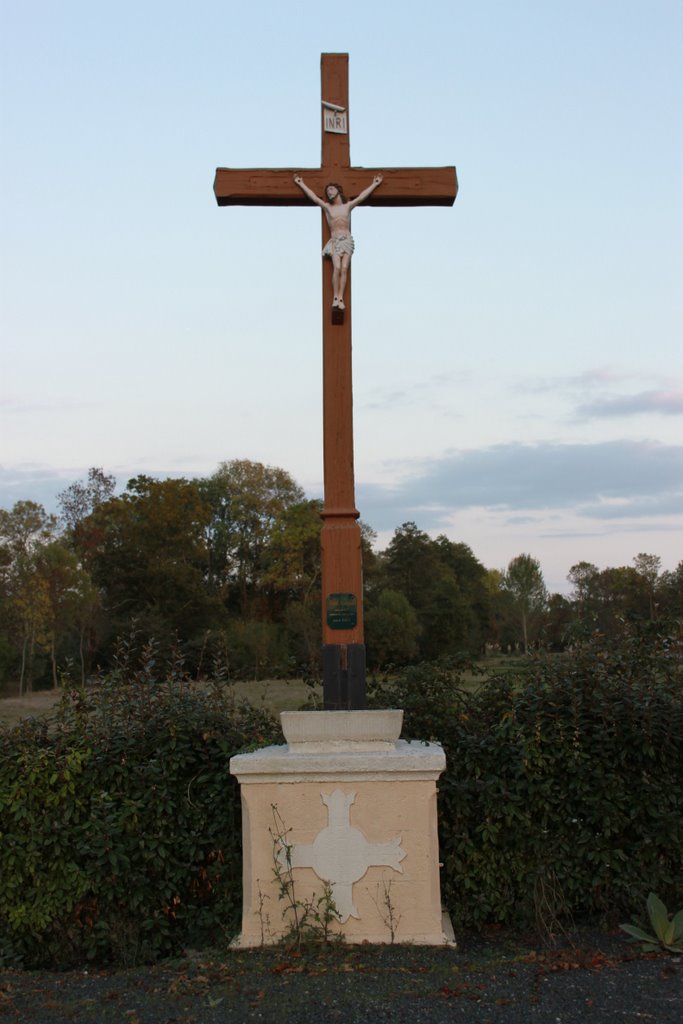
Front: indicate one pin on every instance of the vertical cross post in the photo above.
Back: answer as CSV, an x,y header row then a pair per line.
x,y
342,566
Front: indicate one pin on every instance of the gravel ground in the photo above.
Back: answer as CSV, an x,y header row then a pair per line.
x,y
593,980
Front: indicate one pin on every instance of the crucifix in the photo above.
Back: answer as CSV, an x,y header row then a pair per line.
x,y
342,573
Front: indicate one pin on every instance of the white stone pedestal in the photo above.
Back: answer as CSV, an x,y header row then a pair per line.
x,y
358,806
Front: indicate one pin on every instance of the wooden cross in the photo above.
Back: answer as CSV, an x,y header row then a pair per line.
x,y
342,580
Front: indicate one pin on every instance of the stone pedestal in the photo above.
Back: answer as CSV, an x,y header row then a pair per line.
x,y
356,808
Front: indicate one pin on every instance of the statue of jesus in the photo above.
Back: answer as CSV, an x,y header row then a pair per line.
x,y
337,210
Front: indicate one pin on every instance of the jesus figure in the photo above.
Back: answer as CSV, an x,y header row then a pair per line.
x,y
337,210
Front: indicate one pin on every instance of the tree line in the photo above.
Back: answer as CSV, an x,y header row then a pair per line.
x,y
226,569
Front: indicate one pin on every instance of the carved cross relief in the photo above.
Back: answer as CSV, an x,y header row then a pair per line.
x,y
340,854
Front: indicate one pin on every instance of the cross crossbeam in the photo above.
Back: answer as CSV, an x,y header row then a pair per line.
x,y
402,186
342,582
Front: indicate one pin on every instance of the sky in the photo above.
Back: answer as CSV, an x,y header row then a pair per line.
x,y
518,358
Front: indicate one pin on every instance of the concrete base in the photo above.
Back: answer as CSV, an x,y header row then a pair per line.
x,y
347,803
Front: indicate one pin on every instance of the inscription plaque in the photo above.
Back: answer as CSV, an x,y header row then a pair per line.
x,y
335,121
342,612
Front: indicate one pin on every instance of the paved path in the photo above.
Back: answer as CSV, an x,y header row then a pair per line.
x,y
500,982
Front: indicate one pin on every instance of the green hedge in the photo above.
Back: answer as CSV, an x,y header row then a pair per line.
x,y
120,825
563,792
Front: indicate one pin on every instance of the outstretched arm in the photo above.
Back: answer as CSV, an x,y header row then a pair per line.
x,y
377,180
298,180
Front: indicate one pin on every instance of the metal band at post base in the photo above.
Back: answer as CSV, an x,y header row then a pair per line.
x,y
344,677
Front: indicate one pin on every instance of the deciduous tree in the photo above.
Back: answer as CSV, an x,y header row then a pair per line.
x,y
391,630
23,531
246,501
649,567
523,580
670,592
150,560
79,499
444,584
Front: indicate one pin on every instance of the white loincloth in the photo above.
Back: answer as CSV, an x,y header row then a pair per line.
x,y
338,245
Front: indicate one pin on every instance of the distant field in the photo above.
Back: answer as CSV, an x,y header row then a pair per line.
x,y
280,694
275,694
34,705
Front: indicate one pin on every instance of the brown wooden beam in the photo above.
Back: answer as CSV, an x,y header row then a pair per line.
x,y
334,88
403,186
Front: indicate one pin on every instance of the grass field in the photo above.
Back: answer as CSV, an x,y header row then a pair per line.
x,y
275,694
34,705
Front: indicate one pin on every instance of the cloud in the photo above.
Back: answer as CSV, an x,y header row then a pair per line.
x,y
43,484
670,504
387,399
588,380
29,482
628,477
435,385
13,406
665,397
668,403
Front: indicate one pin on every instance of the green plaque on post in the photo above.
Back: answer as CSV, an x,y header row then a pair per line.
x,y
342,611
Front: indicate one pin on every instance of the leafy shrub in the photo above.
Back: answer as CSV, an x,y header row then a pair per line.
x,y
120,825
256,650
562,791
